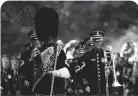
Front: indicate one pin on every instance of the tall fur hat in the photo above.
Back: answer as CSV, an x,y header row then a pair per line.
x,y
46,23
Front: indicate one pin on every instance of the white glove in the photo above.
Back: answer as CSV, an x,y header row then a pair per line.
x,y
63,73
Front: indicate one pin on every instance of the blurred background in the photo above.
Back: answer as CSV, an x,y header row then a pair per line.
x,y
77,19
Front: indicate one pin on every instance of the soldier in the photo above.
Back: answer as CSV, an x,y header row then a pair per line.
x,y
6,76
94,70
26,70
127,75
46,27
88,44
135,74
15,81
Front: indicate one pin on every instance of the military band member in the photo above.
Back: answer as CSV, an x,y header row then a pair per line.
x,y
10,78
5,76
26,70
15,80
94,69
135,74
46,27
127,74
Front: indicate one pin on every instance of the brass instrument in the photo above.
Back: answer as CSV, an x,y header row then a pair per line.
x,y
115,83
107,55
110,65
129,51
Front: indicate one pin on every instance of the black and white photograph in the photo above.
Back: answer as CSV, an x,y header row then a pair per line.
x,y
69,48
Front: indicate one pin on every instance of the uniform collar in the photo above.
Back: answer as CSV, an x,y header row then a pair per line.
x,y
97,50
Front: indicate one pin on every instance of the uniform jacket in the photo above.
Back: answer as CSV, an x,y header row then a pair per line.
x,y
44,86
26,72
94,71
10,82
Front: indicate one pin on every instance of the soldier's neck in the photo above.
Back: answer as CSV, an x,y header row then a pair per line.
x,y
95,48
5,69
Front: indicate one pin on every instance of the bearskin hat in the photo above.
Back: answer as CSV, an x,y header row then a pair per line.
x,y
46,23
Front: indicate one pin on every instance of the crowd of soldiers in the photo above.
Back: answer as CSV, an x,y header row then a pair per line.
x,y
125,64
82,64
15,81
10,81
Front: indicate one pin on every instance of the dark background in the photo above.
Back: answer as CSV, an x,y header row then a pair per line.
x,y
77,19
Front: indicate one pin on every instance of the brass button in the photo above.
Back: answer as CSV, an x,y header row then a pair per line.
x,y
34,68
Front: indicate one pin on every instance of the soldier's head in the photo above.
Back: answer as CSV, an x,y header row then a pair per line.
x,y
33,39
46,23
14,64
5,62
32,35
97,37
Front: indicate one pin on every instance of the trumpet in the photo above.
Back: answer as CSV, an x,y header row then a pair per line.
x,y
115,83
107,61
110,65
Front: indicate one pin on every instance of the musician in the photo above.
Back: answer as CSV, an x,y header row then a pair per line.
x,y
79,49
5,76
128,53
88,44
127,74
94,70
26,70
15,83
135,74
46,27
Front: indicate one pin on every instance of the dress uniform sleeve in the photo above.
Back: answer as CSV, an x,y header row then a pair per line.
x,y
37,60
21,68
84,58
24,56
77,66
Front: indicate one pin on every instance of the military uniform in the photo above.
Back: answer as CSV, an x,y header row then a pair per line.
x,y
26,72
10,82
5,82
44,86
75,84
127,75
15,82
94,70
46,21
